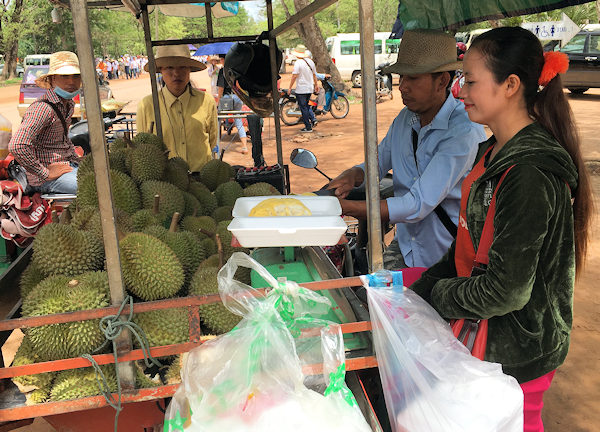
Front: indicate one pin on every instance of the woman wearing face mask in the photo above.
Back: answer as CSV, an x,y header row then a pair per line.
x,y
532,171
41,145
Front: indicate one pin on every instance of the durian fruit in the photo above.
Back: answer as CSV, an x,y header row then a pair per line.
x,y
125,192
144,218
226,237
216,316
173,374
124,223
209,246
214,172
171,198
192,205
242,274
164,326
77,383
212,261
147,163
26,355
185,245
222,213
118,144
62,249
148,138
144,381
151,269
117,159
59,294
85,167
82,217
37,396
30,277
260,189
200,226
227,193
176,173
208,202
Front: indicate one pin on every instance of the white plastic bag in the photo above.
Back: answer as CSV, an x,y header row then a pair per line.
x,y
251,379
431,382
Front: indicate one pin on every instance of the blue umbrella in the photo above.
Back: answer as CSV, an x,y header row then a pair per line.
x,y
214,48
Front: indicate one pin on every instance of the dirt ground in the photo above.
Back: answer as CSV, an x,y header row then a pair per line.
x,y
573,402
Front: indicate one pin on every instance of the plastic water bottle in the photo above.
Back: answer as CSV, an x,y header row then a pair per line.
x,y
386,279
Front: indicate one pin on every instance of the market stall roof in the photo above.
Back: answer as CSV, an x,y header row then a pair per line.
x,y
452,14
171,8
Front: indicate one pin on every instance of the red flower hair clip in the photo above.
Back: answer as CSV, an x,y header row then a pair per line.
x,y
554,63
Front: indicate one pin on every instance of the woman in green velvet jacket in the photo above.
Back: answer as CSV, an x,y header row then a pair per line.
x,y
540,236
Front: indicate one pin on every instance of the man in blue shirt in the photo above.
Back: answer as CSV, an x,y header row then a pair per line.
x,y
430,147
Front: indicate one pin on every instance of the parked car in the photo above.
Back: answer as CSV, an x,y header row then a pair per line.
x,y
19,70
584,61
29,91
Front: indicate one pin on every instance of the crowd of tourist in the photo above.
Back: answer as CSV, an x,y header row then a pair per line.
x,y
127,66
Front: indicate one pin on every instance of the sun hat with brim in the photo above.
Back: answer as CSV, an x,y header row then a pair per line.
x,y
175,55
425,51
61,63
300,51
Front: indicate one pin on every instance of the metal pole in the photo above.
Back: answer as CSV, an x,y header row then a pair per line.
x,y
274,75
367,58
152,70
101,171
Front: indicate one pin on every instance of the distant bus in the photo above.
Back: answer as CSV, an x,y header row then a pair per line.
x,y
36,60
344,49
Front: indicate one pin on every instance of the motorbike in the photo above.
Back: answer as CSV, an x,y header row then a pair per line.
x,y
79,133
356,259
336,102
383,82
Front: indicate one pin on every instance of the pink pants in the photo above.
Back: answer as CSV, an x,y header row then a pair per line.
x,y
533,392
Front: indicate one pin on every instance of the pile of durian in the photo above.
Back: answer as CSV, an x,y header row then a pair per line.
x,y
162,256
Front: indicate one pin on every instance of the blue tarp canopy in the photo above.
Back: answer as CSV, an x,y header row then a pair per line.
x,y
214,48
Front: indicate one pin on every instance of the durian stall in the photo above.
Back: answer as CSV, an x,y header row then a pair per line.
x,y
141,227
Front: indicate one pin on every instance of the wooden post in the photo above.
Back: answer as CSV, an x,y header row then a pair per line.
x,y
152,71
101,171
367,61
274,75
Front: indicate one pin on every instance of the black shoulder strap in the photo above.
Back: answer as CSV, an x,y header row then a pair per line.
x,y
439,210
59,114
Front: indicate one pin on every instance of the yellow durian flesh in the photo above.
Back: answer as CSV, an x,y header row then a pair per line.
x,y
280,207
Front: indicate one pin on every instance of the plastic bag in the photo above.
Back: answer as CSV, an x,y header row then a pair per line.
x,y
251,379
430,380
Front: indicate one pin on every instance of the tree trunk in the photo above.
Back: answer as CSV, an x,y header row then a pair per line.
x,y
12,44
598,10
310,32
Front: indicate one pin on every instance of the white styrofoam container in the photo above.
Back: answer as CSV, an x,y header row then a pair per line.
x,y
318,205
324,227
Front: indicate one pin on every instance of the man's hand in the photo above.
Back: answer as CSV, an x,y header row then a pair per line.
x,y
346,181
56,169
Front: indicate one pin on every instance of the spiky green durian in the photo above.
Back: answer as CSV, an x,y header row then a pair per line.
x,y
226,237
209,246
37,396
82,217
214,172
216,316
59,294
260,189
173,374
144,381
164,326
171,198
147,163
118,144
144,218
196,187
30,277
176,173
148,138
192,205
125,192
200,226
117,159
26,355
124,223
227,193
151,269
85,167
222,213
78,383
62,249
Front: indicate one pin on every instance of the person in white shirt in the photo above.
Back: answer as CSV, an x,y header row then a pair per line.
x,y
305,73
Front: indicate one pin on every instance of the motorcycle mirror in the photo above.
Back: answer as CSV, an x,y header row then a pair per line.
x,y
303,158
306,159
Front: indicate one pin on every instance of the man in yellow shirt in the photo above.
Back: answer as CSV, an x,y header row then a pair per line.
x,y
188,115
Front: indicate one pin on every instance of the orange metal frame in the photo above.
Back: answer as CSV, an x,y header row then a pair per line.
x,y
138,395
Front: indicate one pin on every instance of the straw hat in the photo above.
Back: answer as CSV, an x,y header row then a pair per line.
x,y
425,51
300,51
61,63
175,55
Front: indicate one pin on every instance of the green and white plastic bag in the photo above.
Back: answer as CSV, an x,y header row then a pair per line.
x,y
257,378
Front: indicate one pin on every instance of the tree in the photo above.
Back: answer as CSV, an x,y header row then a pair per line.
x,y
11,25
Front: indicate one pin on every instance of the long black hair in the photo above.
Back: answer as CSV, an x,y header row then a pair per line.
x,y
514,50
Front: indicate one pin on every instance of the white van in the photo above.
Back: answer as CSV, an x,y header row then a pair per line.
x,y
344,49
467,37
36,60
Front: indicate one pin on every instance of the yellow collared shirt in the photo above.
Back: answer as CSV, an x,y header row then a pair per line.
x,y
189,124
